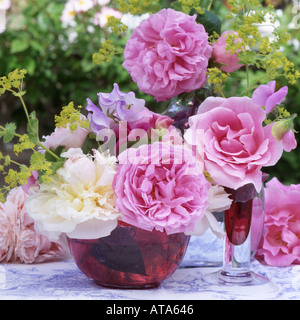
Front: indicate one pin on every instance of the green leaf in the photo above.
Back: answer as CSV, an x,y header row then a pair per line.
x,y
58,151
56,165
37,160
18,45
247,57
33,128
10,132
209,20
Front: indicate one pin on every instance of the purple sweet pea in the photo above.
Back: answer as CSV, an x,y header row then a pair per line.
x,y
266,96
115,105
123,105
98,120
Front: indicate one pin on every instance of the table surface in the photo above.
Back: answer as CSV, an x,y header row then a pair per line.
x,y
62,280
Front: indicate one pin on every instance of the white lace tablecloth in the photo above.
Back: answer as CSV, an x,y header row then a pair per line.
x,y
63,280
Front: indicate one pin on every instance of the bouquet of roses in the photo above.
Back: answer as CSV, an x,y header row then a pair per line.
x,y
119,161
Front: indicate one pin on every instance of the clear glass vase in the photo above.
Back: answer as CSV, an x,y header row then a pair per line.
x,y
237,249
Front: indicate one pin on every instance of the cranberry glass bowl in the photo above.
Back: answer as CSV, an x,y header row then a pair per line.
x,y
130,257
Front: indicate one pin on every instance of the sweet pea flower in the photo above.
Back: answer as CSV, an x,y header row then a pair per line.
x,y
230,62
236,144
265,96
123,106
159,186
19,242
79,201
280,245
168,54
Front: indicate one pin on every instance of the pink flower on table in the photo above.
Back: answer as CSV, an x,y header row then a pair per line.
x,y
19,242
265,96
236,145
168,54
159,186
280,245
229,61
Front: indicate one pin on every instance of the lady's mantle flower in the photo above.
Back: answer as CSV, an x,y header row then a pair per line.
x,y
168,54
80,200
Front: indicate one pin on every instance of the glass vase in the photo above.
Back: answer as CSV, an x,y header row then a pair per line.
x,y
237,250
130,257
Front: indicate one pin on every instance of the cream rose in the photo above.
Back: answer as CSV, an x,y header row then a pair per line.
x,y
80,200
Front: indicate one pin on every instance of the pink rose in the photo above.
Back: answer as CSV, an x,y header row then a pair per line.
x,y
229,61
236,145
19,242
168,54
280,245
65,137
159,186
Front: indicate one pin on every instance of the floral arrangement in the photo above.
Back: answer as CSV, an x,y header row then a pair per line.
x,y
116,160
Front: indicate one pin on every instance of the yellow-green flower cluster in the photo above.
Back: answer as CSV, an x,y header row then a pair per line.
x,y
216,78
105,53
72,117
46,164
14,80
138,6
116,25
255,49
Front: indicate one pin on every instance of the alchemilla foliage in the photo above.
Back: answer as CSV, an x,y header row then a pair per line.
x,y
46,162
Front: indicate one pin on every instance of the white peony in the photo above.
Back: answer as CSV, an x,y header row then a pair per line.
x,y
79,201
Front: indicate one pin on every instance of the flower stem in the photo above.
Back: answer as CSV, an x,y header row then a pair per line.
x,y
49,151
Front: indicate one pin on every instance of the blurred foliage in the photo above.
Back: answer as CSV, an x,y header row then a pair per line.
x,y
61,69
58,59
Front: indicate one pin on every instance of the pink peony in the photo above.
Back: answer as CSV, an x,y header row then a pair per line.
x,y
65,137
159,186
280,245
229,61
19,242
236,145
168,54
